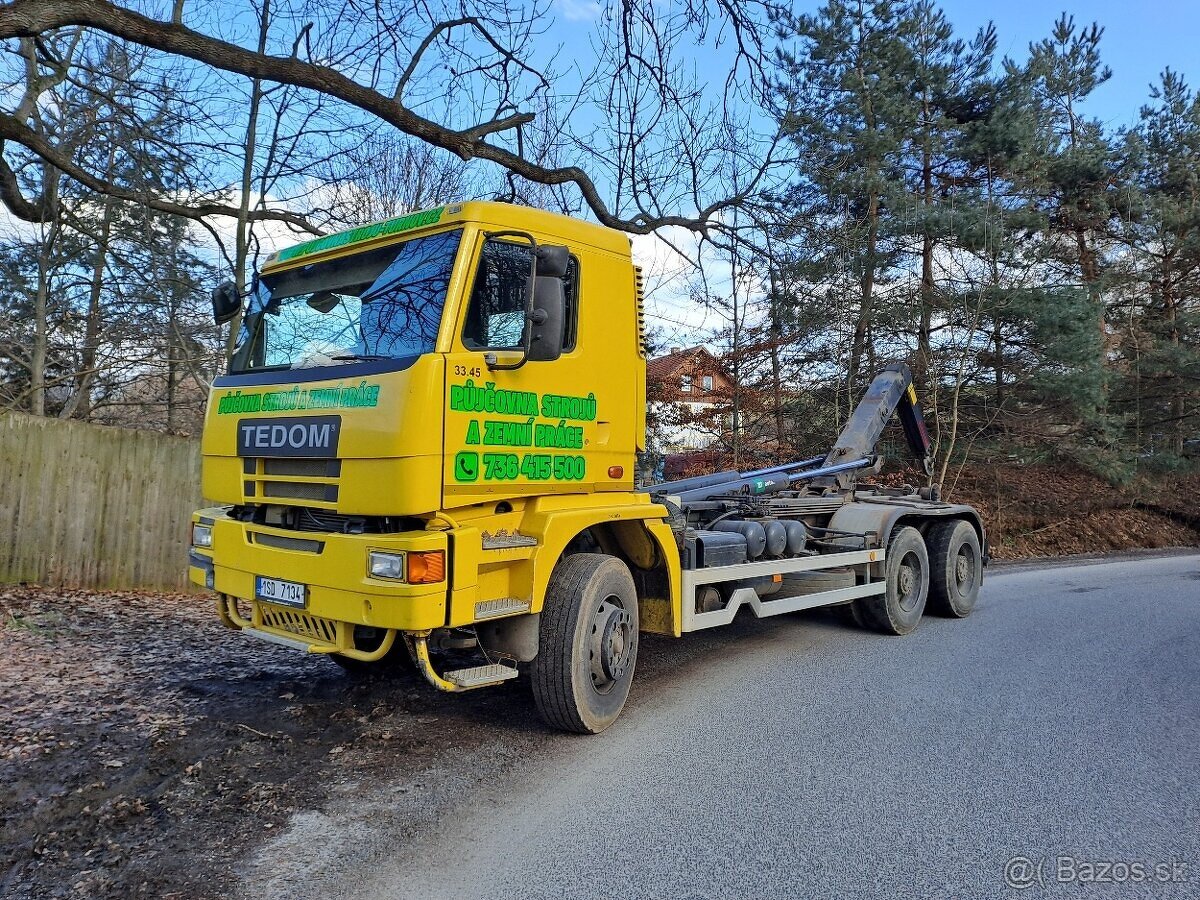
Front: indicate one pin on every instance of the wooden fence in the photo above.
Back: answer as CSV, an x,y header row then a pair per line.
x,y
92,506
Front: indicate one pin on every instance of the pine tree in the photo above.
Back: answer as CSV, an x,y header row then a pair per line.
x,y
844,109
1163,234
947,80
1076,181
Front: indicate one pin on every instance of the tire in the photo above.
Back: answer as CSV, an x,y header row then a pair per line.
x,y
396,661
899,608
588,642
955,568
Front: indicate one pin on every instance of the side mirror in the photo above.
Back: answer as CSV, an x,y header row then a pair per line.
x,y
547,321
226,303
324,302
552,260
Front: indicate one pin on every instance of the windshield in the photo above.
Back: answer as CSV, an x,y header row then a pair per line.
x,y
379,304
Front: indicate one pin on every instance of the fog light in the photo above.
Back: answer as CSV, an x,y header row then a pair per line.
x,y
386,565
426,567
201,536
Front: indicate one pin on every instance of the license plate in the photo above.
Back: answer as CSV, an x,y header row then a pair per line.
x,y
287,593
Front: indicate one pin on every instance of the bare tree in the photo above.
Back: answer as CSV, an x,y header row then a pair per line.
x,y
469,85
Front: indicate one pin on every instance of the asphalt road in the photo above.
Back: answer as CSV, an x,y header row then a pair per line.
x,y
799,757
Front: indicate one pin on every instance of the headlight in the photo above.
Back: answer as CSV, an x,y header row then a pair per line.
x,y
386,565
201,536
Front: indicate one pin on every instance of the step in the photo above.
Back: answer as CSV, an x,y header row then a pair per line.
x,y
501,606
480,676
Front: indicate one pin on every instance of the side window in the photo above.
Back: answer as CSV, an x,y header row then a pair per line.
x,y
496,312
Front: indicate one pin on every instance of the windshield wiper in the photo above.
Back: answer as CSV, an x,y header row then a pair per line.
x,y
360,356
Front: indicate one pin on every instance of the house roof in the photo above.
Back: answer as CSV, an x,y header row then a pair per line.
x,y
687,361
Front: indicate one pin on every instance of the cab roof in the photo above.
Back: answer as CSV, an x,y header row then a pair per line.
x,y
490,214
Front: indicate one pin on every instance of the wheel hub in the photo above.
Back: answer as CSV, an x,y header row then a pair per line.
x,y
963,570
612,643
908,581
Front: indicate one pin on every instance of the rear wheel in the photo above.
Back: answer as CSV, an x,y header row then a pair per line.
x,y
588,641
899,608
955,567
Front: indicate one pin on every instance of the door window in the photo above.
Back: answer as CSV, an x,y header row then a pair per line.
x,y
496,312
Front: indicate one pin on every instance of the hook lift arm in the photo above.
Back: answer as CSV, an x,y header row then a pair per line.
x,y
891,392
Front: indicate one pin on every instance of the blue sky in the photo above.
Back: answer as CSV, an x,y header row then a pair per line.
x,y
1141,37
1140,40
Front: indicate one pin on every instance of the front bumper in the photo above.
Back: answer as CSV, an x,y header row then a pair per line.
x,y
333,567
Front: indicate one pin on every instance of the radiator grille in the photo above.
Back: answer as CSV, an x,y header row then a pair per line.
x,y
300,490
284,480
299,624
640,295
287,543
305,468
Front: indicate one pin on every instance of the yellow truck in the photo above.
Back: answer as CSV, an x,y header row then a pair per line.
x,y
424,451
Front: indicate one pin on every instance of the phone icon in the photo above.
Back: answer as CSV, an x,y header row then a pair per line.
x,y
466,466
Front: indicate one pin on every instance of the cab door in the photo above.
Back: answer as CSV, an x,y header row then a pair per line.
x,y
541,428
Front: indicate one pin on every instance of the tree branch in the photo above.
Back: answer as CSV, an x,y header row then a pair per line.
x,y
39,210
27,18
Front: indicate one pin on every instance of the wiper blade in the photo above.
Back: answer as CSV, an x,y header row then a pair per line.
x,y
359,356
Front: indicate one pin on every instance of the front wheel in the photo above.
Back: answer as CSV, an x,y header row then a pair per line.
x,y
588,641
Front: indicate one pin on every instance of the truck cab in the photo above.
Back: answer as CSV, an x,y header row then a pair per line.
x,y
396,433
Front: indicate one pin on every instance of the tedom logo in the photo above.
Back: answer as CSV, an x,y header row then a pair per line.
x,y
309,436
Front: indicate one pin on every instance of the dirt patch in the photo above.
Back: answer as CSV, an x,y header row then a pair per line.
x,y
1043,511
147,750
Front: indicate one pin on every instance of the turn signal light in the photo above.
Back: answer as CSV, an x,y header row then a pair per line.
x,y
616,471
426,566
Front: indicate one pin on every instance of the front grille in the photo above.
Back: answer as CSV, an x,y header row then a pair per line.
x,y
307,518
303,468
284,480
301,490
287,543
320,520
298,623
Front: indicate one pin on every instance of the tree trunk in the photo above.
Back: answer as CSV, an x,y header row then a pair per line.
x,y
80,406
776,337
39,352
242,247
1171,312
924,342
860,346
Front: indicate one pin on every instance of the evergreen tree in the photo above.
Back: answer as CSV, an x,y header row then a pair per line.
x,y
843,106
87,288
1163,234
947,82
1075,180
